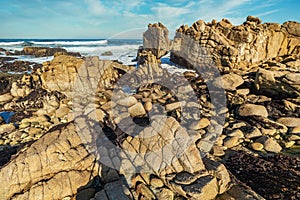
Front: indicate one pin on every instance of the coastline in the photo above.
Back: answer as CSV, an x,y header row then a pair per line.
x,y
211,114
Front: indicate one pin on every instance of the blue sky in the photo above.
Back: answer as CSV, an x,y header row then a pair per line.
x,y
121,18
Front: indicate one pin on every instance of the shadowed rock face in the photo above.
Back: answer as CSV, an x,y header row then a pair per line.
x,y
234,46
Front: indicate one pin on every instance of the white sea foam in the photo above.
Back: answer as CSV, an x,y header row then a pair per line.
x,y
39,60
172,67
11,43
72,43
122,53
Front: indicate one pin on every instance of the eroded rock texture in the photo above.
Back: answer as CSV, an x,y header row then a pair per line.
x,y
234,46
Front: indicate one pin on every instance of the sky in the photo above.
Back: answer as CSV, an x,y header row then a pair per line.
x,y
81,19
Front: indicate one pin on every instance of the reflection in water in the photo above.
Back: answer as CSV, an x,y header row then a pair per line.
x,y
6,116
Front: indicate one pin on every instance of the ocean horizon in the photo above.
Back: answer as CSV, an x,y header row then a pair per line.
x,y
123,50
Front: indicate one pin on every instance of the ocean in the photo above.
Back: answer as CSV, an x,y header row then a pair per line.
x,y
123,50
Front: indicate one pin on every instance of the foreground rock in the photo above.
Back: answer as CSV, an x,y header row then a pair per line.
x,y
87,128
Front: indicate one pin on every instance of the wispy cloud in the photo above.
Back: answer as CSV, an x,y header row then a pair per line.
x,y
96,7
103,18
267,13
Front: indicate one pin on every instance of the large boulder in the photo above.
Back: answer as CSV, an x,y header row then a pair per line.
x,y
52,168
234,46
70,75
156,39
278,83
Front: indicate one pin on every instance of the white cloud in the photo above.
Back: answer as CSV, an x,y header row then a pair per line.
x,y
96,7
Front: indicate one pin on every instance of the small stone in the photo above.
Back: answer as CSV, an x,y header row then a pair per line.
x,y
218,151
243,91
253,133
230,142
252,110
202,123
173,106
294,137
289,144
270,132
24,135
97,115
228,81
238,125
24,125
7,128
257,146
156,182
237,133
148,106
127,101
137,110
295,129
289,121
272,146
34,131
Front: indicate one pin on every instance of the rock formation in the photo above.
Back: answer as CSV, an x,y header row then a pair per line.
x,y
232,46
85,128
42,52
156,39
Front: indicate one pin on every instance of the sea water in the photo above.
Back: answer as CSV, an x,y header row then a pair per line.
x,y
123,50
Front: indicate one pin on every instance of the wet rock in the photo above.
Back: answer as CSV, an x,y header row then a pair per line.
x,y
107,53
43,51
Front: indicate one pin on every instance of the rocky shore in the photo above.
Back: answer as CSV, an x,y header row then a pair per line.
x,y
228,128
